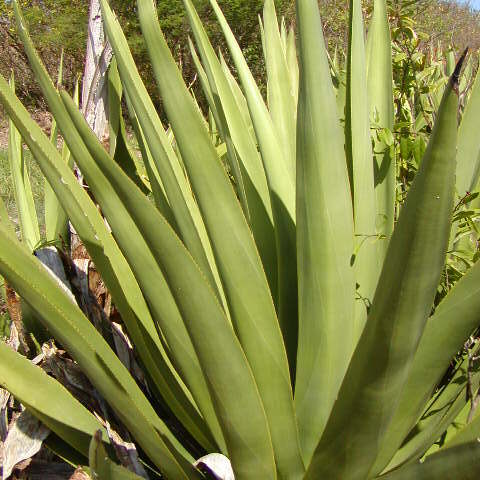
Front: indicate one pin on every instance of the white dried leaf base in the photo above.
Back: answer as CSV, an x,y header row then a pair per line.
x,y
217,465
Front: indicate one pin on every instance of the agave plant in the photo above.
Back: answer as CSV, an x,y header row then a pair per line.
x,y
281,312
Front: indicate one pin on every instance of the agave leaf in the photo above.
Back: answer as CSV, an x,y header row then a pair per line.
x,y
108,375
218,120
186,213
359,161
380,94
469,433
292,63
258,199
47,399
119,148
430,363
442,410
118,276
324,225
458,463
468,155
281,182
235,251
243,423
151,280
5,220
156,184
450,62
56,221
400,308
27,216
102,467
237,257
240,100
280,90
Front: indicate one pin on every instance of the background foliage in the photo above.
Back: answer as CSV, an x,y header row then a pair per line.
x,y
57,24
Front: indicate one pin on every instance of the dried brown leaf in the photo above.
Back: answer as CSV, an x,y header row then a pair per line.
x,y
126,453
15,312
24,439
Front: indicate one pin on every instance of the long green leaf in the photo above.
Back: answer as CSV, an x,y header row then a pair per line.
x,y
46,398
281,94
236,254
406,289
150,279
441,412
281,182
246,286
256,189
458,463
324,238
108,375
56,222
468,155
359,161
380,94
27,215
220,354
454,320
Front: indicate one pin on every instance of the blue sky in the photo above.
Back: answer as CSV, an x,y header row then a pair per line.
x,y
475,4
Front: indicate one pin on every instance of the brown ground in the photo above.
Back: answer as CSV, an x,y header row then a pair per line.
x,y
41,117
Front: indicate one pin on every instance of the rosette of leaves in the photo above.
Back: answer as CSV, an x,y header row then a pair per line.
x,y
281,312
